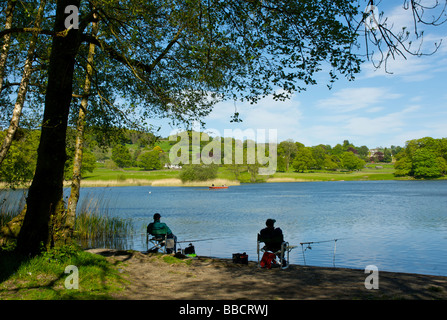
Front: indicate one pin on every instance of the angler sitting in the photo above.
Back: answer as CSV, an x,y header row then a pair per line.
x,y
274,242
271,236
161,232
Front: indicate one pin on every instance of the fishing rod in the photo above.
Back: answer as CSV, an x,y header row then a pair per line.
x,y
198,240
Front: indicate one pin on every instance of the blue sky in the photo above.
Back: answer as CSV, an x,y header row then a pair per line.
x,y
377,109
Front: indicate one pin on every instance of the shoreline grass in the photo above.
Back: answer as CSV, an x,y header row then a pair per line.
x,y
95,226
44,277
94,223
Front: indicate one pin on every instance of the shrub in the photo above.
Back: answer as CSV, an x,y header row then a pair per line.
x,y
198,172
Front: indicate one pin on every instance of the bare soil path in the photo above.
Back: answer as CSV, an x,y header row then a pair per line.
x,y
162,277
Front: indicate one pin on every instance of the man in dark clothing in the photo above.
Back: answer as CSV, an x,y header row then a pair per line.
x,y
159,228
271,236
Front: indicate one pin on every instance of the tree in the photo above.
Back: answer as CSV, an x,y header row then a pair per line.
x,y
88,163
319,154
303,159
422,158
403,165
80,160
387,155
351,162
23,88
45,193
178,58
363,152
377,157
150,160
20,163
9,14
253,170
281,164
121,156
425,164
331,162
195,172
287,150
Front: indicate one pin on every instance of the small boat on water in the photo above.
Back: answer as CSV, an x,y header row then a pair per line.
x,y
218,187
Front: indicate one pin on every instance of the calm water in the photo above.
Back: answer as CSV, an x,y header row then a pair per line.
x,y
395,225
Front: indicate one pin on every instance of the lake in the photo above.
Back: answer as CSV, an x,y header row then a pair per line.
x,y
397,226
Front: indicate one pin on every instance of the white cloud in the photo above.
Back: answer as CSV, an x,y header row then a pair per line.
x,y
350,99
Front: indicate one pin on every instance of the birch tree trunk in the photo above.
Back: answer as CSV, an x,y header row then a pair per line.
x,y
6,39
21,95
80,129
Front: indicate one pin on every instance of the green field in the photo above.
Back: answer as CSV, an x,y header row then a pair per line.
x,y
368,173
137,176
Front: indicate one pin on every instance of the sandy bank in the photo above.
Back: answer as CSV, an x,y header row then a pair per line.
x,y
155,183
273,180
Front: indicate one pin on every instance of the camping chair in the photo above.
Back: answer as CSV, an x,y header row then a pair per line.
x,y
282,253
156,242
158,239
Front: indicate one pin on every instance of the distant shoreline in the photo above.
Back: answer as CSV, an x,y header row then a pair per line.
x,y
169,182
175,182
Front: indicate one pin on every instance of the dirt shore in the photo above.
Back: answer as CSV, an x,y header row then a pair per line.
x,y
161,277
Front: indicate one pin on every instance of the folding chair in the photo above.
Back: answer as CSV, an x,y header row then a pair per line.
x,y
282,253
158,239
156,242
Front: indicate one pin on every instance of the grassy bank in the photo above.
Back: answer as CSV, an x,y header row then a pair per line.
x,y
102,177
44,277
368,173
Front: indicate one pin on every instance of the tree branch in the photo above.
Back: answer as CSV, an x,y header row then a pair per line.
x,y
62,33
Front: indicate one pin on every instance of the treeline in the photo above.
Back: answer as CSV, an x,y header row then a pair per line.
x,y
419,158
344,156
124,148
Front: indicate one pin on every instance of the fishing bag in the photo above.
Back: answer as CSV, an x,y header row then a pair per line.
x,y
241,258
190,249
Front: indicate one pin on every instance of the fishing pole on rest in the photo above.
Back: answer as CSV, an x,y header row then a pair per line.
x,y
184,241
323,241
316,242
195,240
